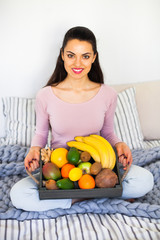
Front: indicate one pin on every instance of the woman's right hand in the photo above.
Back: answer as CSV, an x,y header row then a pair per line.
x,y
31,161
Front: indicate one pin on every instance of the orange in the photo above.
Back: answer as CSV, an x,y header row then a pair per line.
x,y
59,156
75,174
66,169
86,182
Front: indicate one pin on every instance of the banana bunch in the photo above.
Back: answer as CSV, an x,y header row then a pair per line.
x,y
98,147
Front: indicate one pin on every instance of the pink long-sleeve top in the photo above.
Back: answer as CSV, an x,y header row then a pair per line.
x,y
67,120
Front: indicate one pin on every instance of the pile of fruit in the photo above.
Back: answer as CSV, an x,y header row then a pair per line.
x,y
87,164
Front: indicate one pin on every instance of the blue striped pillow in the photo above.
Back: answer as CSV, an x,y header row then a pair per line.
x,y
126,121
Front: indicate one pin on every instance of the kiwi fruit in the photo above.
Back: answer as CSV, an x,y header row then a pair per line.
x,y
95,168
85,156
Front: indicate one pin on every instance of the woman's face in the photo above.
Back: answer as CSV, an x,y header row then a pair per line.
x,y
78,57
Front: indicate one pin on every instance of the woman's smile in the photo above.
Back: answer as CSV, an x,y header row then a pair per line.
x,y
77,70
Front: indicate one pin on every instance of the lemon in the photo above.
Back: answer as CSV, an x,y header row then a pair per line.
x,y
75,174
59,156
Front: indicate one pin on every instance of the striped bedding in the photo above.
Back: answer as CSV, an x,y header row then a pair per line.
x,y
82,226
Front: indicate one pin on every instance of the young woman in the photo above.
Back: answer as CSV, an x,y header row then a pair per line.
x,y
76,102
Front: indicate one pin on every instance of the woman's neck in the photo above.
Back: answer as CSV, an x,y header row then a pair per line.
x,y
78,84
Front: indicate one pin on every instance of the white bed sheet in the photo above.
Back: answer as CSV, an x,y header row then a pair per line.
x,y
82,227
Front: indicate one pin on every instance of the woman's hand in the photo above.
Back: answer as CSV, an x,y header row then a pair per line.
x,y
124,154
31,161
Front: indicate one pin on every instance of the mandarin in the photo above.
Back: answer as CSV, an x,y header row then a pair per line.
x,y
86,182
66,169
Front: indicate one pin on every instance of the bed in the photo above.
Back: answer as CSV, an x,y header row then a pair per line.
x,y
101,218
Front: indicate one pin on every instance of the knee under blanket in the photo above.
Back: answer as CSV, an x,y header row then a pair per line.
x,y
12,169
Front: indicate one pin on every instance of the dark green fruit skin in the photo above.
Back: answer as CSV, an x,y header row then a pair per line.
x,y
65,183
51,171
73,156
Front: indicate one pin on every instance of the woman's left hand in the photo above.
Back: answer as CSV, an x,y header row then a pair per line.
x,y
124,154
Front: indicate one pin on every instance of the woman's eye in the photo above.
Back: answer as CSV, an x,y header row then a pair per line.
x,y
86,56
70,55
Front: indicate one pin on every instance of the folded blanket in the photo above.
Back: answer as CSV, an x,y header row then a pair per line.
x,y
12,170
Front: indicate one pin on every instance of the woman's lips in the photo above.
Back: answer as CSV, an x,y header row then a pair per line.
x,y
77,70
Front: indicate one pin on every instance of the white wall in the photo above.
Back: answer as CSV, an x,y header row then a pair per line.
x,y
127,31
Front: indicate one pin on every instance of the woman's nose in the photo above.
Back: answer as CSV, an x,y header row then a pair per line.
x,y
77,61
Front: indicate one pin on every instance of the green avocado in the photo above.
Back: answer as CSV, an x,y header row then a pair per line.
x,y
73,156
65,183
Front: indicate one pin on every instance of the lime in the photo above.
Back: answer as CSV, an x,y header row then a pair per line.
x,y
73,156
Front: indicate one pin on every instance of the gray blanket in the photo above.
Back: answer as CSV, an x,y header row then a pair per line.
x,y
12,170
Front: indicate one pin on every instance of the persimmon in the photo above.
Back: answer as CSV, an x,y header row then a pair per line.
x,y
86,182
66,169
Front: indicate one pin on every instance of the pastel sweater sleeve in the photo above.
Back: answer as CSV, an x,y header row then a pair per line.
x,y
107,130
42,122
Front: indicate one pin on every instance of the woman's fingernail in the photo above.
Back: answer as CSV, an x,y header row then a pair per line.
x,y
122,155
30,163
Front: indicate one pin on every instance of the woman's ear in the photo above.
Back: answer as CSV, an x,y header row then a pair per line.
x,y
62,54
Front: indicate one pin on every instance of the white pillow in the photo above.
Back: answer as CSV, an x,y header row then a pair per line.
x,y
126,121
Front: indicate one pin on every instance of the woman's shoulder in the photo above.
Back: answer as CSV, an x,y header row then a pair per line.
x,y
43,92
109,91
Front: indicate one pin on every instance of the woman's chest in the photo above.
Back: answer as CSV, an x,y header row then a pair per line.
x,y
79,118
75,96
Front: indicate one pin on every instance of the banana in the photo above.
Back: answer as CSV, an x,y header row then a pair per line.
x,y
111,151
101,149
85,147
79,139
